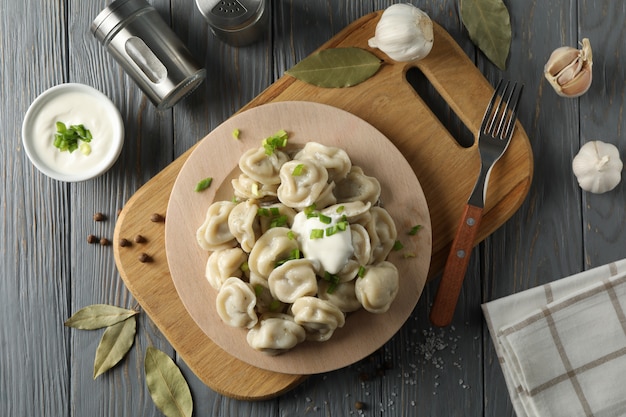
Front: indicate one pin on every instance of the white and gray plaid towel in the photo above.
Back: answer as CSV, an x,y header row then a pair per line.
x,y
562,346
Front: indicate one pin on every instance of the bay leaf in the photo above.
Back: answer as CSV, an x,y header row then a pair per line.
x,y
97,316
336,67
167,385
114,344
489,26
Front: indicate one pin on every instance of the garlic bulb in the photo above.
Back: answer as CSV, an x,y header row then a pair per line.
x,y
569,70
597,167
404,33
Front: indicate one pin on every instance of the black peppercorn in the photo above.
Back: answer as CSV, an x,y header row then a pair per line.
x,y
144,257
157,218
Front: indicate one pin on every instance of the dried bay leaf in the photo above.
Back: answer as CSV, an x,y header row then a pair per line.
x,y
336,67
97,316
114,344
167,385
489,26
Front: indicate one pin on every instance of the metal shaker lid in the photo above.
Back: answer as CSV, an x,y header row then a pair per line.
x,y
112,18
231,14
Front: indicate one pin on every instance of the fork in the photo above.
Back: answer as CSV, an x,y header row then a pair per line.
x,y
496,131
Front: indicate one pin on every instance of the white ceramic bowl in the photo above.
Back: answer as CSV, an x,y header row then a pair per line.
x,y
71,104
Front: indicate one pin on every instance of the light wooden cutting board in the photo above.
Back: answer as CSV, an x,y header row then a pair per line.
x,y
445,170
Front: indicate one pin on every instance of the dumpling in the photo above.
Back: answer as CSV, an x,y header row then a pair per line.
x,y
361,244
275,334
292,280
349,271
235,303
342,295
273,246
301,183
335,160
275,215
358,187
259,166
327,196
382,232
265,302
214,233
223,264
244,224
246,188
320,318
378,287
353,210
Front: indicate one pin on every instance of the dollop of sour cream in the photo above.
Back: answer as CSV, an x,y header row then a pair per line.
x,y
72,108
73,104
332,252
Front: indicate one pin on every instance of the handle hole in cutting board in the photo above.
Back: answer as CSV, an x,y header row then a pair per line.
x,y
439,107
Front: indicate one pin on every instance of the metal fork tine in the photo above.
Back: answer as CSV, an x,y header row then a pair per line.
x,y
508,131
503,112
486,118
493,117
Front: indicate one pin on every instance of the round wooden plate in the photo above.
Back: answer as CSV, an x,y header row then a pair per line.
x,y
217,156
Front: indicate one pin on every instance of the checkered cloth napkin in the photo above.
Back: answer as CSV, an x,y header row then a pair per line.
x,y
562,346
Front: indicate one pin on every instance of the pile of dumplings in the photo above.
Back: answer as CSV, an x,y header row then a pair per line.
x,y
265,282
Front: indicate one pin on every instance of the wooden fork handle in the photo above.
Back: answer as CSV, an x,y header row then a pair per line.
x,y
454,271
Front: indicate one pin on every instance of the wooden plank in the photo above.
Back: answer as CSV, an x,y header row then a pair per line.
x,y
35,268
148,147
543,240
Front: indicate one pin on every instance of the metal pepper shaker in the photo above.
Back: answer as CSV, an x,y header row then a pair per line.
x,y
237,22
148,50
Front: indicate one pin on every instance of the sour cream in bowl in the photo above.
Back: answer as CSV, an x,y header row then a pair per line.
x,y
73,104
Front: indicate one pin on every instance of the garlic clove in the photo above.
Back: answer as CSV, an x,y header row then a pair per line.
x,y
404,32
569,70
598,167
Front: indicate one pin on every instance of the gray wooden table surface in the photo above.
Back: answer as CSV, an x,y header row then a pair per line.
x,y
48,271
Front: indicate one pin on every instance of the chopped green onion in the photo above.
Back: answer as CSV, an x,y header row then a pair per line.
x,y
244,267
277,140
84,148
317,233
279,221
397,245
333,280
340,209
291,235
275,305
309,211
407,255
236,133
325,219
293,255
258,290
361,272
298,170
415,229
274,211
342,226
203,184
263,211
331,230
67,138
